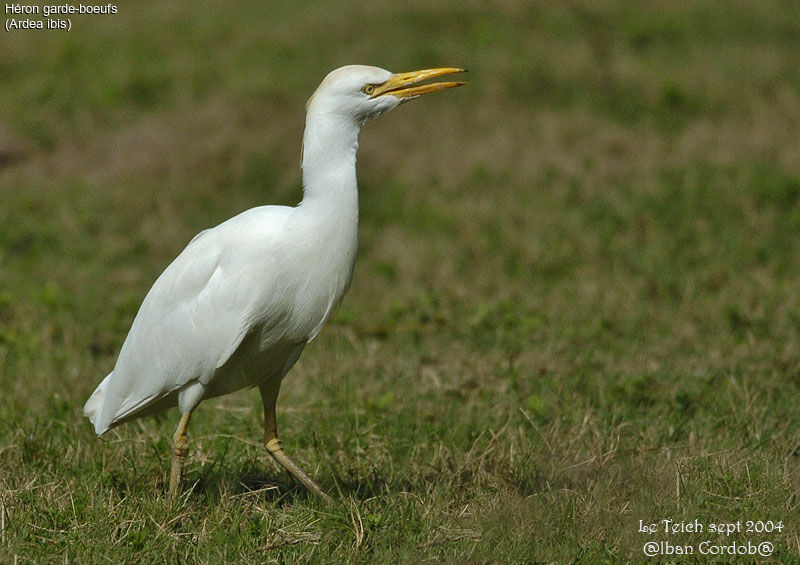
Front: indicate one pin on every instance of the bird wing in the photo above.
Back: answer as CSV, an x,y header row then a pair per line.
x,y
195,316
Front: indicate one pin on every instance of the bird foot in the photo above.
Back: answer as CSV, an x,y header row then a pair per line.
x,y
273,445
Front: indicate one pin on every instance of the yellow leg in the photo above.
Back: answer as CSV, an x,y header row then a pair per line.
x,y
180,447
269,395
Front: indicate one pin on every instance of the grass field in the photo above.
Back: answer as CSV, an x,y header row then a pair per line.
x,y
576,305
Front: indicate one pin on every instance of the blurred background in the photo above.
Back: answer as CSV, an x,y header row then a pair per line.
x,y
583,265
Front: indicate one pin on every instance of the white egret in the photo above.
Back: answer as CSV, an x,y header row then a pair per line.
x,y
236,308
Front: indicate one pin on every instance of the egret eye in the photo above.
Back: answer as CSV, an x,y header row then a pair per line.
x,y
368,89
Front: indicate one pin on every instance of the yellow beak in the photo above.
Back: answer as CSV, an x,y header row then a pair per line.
x,y
406,85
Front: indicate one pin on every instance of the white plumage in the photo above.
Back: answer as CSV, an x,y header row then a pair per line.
x,y
236,308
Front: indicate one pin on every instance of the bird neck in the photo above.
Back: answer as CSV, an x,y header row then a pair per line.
x,y
329,164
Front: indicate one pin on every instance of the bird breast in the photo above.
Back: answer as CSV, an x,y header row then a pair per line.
x,y
327,256
303,279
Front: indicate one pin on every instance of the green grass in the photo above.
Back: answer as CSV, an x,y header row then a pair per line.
x,y
575,306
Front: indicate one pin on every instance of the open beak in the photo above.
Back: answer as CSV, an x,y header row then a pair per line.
x,y
405,86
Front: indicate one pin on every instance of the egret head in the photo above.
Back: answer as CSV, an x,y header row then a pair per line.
x,y
362,93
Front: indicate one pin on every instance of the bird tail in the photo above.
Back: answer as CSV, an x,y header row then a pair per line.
x,y
95,403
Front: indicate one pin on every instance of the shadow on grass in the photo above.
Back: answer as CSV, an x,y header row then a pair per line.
x,y
272,486
281,489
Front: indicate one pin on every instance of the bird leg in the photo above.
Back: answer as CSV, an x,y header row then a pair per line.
x,y
269,395
180,447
